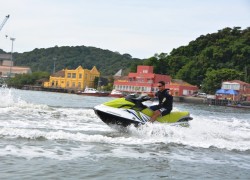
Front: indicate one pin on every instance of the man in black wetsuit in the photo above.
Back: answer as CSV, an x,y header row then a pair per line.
x,y
165,102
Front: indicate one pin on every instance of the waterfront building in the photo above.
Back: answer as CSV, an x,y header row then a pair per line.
x,y
7,68
145,81
181,88
74,79
235,89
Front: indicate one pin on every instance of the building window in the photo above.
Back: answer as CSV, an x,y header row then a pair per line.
x,y
185,92
69,75
231,86
136,88
79,84
80,76
145,71
73,75
73,84
67,84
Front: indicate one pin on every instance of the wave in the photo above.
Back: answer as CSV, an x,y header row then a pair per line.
x,y
203,133
22,119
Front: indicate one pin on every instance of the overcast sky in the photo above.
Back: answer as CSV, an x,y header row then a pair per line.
x,y
140,28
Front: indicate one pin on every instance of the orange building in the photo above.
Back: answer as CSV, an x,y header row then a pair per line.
x,y
145,81
76,79
181,88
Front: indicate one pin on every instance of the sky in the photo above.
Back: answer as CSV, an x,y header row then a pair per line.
x,y
140,28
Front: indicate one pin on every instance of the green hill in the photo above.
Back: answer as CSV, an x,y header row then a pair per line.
x,y
107,62
228,48
224,54
206,61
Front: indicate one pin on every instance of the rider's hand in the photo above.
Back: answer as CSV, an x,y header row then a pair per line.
x,y
151,120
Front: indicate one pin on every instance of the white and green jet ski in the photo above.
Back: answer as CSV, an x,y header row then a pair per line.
x,y
131,111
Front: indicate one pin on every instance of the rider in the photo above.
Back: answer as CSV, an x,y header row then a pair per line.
x,y
165,102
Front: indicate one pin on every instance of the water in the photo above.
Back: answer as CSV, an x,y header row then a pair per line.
x,y
47,135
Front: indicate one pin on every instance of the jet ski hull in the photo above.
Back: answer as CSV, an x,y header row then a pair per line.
x,y
125,117
111,119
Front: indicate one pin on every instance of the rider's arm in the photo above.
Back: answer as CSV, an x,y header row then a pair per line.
x,y
167,102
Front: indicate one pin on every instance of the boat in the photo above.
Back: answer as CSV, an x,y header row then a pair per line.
x,y
116,93
130,110
92,92
238,106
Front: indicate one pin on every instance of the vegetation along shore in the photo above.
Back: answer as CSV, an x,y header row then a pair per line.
x,y
205,62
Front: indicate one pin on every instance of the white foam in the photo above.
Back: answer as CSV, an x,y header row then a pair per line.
x,y
205,133
6,99
30,152
27,120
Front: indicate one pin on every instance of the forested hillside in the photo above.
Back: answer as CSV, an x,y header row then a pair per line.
x,y
107,62
206,61
226,54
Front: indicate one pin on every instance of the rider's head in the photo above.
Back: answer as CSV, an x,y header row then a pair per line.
x,y
161,85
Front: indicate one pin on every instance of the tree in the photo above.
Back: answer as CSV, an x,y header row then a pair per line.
x,y
26,79
214,79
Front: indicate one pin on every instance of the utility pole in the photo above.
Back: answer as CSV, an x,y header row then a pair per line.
x,y
54,68
246,75
99,84
11,57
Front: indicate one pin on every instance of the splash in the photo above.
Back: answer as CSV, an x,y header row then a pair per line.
x,y
230,134
6,98
234,135
21,119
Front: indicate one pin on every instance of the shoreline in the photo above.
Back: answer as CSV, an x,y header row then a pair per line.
x,y
184,99
216,102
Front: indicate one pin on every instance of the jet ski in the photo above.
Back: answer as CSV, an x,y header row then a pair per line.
x,y
130,110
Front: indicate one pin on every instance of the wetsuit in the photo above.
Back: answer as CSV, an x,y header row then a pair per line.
x,y
165,105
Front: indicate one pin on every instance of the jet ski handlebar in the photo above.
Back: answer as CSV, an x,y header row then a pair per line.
x,y
137,98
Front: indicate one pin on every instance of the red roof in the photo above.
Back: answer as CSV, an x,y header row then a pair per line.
x,y
141,75
237,81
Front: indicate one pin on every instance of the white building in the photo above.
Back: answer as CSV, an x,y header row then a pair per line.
x,y
7,68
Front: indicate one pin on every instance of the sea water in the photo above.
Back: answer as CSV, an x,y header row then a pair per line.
x,y
46,135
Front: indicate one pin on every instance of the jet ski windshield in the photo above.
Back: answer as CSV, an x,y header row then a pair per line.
x,y
131,97
137,99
